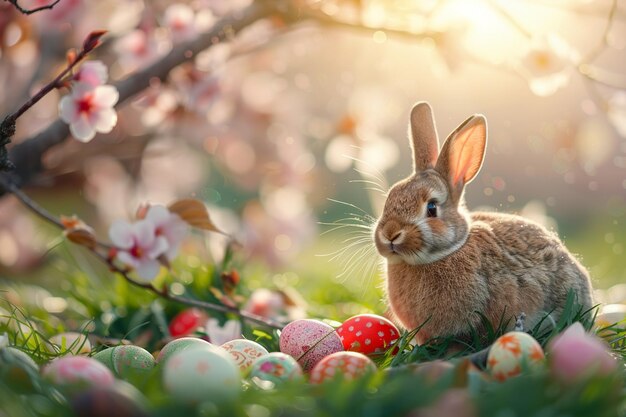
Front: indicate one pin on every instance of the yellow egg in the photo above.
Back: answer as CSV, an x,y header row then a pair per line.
x,y
512,352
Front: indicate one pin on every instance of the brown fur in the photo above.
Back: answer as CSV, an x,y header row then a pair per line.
x,y
507,266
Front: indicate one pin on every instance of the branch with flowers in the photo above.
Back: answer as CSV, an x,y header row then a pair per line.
x,y
26,11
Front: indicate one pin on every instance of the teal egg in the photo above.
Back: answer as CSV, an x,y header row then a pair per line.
x,y
179,345
129,360
276,367
105,357
17,369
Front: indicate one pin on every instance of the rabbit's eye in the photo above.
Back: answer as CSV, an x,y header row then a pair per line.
x,y
431,209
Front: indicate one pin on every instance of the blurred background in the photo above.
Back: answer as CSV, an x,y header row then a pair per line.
x,y
292,131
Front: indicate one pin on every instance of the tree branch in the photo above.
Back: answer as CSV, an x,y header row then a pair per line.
x,y
35,10
27,156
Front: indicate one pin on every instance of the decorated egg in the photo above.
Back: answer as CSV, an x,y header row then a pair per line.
x,y
73,342
119,400
511,352
76,373
178,345
17,369
186,322
367,333
199,374
244,352
105,357
129,360
576,354
349,365
308,341
276,367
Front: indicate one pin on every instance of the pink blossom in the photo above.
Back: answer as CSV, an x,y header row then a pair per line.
x,y
139,246
180,20
92,73
138,49
575,354
89,110
168,225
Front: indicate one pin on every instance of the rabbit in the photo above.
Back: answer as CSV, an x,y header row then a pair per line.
x,y
445,265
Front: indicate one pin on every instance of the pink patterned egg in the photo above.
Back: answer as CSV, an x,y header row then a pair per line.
x,y
244,352
309,341
350,365
76,373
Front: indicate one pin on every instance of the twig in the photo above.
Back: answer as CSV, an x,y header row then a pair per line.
x,y
27,155
47,216
35,10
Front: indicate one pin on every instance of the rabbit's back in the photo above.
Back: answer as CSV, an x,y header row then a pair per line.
x,y
527,265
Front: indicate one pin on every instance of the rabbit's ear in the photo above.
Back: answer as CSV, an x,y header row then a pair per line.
x,y
463,152
424,140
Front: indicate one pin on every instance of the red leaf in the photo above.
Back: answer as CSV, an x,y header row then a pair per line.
x,y
93,40
195,213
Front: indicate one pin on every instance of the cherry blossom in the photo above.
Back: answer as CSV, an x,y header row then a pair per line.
x,y
218,335
180,20
167,225
138,49
139,246
547,64
89,110
92,73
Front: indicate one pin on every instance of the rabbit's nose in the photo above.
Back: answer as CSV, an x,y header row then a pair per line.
x,y
397,237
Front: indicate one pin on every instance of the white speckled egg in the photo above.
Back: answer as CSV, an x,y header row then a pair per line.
x,y
76,373
178,345
276,367
510,352
611,314
197,375
309,341
244,352
73,342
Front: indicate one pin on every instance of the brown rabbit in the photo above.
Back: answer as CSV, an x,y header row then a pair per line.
x,y
446,265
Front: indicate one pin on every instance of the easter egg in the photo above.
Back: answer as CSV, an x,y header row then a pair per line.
x,y
186,322
511,352
105,357
276,367
367,333
576,354
196,375
129,360
611,314
244,352
349,365
73,342
119,400
76,373
17,369
308,341
179,345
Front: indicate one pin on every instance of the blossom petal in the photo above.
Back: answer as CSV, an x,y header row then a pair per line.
x,y
128,259
121,235
158,214
82,130
144,232
148,270
105,120
106,95
159,247
67,109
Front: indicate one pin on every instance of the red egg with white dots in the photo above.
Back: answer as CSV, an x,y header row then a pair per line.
x,y
186,322
367,334
345,365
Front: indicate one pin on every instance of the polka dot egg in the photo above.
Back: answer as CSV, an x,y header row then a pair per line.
x,y
199,374
244,352
511,352
367,333
309,341
131,360
276,367
76,373
345,365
